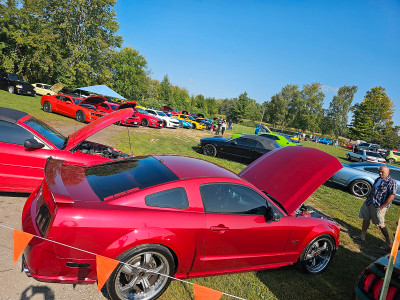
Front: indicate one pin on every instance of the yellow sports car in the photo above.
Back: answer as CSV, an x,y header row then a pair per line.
x,y
195,125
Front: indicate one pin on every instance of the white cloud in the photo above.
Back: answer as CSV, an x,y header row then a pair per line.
x,y
329,89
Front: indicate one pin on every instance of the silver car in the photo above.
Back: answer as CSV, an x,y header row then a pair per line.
x,y
365,155
359,178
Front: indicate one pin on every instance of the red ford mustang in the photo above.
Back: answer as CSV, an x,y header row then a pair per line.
x,y
26,143
177,216
83,110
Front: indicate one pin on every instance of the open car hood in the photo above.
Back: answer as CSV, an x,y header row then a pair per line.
x,y
93,100
291,174
127,105
97,125
57,87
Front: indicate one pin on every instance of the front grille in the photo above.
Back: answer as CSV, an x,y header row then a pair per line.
x,y
43,218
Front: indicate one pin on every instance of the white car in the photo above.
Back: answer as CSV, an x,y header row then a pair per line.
x,y
365,155
47,89
168,122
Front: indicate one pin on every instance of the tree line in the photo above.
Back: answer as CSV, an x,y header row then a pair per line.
x,y
76,42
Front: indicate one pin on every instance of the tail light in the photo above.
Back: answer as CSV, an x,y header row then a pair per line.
x,y
45,209
372,285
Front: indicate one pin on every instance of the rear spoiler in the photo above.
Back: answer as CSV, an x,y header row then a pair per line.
x,y
52,175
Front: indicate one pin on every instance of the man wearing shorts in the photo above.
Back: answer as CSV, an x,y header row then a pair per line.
x,y
377,204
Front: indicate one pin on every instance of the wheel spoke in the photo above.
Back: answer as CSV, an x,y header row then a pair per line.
x,y
130,285
145,283
146,259
158,270
127,269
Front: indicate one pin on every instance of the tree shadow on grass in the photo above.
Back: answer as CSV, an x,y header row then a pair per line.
x,y
337,281
12,194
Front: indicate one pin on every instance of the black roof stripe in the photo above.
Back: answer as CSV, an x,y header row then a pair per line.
x,y
11,115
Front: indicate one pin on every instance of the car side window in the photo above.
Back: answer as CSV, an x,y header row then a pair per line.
x,y
372,169
13,134
228,198
361,152
244,141
174,198
395,174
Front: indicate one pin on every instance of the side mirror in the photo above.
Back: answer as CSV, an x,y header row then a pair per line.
x,y
68,102
32,144
270,214
234,142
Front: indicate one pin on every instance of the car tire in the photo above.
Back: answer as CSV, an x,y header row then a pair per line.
x,y
209,150
360,159
360,188
80,116
144,284
144,122
391,160
47,107
180,125
318,254
164,124
348,157
193,126
11,89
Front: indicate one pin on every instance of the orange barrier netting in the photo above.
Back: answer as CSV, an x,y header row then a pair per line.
x,y
105,266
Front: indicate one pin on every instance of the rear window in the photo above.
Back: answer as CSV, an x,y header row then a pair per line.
x,y
117,178
374,154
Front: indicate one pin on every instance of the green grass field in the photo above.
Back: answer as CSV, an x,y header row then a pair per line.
x,y
285,283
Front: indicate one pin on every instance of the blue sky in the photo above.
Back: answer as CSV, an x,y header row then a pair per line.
x,y
222,48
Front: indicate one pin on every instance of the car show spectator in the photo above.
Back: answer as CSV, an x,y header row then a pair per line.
x,y
218,126
230,125
257,130
223,127
376,205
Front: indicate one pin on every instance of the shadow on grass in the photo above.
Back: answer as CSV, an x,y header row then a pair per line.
x,y
338,279
12,194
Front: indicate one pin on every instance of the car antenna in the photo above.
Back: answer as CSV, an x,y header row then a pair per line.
x,y
129,137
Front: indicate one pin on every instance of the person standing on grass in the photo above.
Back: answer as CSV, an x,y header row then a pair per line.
x,y
223,127
218,126
377,204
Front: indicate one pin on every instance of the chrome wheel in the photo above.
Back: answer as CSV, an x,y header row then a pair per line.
x,y
143,275
318,254
391,160
144,122
11,89
360,188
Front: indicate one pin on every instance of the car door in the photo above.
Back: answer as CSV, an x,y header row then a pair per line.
x,y
237,233
240,147
66,106
20,166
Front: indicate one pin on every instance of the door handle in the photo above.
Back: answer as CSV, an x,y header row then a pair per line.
x,y
220,228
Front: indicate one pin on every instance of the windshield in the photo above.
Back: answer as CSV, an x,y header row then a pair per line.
x,y
191,118
160,113
14,77
113,106
56,138
142,111
76,100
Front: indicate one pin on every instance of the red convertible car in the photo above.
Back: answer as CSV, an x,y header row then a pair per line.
x,y
83,110
26,143
177,216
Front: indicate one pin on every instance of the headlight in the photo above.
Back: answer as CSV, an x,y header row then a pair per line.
x,y
18,86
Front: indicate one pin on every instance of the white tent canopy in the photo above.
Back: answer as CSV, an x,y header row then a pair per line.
x,y
101,90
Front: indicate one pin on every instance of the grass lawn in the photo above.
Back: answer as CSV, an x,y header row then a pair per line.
x,y
285,283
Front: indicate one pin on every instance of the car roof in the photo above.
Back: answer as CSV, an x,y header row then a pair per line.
x,y
263,141
11,115
369,164
190,167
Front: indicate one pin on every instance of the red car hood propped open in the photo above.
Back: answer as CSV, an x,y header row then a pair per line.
x,y
291,174
97,125
127,104
93,100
